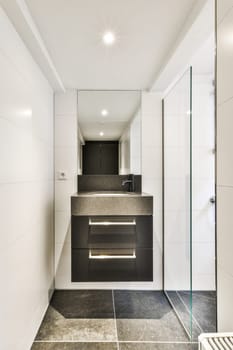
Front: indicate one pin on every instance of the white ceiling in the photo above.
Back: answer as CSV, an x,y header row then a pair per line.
x,y
146,30
203,60
198,29
155,40
121,106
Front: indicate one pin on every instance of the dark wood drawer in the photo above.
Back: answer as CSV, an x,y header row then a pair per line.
x,y
91,232
112,265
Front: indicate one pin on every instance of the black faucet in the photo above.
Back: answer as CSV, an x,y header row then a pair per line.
x,y
129,181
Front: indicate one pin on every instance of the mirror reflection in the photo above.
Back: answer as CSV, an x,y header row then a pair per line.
x,y
109,124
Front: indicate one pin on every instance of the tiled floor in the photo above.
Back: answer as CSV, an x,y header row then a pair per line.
x,y
204,310
110,320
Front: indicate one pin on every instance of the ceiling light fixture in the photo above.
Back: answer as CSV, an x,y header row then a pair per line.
x,y
101,133
104,112
108,38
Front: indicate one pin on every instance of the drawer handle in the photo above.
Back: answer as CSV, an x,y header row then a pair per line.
x,y
112,256
111,223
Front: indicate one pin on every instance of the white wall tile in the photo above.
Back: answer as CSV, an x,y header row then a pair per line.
x,y
177,194
203,258
225,227
225,57
204,224
152,161
177,176
224,164
63,266
150,105
177,226
152,170
64,189
66,103
26,191
152,136
65,131
224,137
177,266
66,159
203,163
223,7
224,303
207,282
203,190
62,227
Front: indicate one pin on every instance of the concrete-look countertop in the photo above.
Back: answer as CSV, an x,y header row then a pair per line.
x,y
111,203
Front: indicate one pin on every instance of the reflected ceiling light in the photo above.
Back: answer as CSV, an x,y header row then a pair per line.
x,y
109,38
101,133
26,113
104,112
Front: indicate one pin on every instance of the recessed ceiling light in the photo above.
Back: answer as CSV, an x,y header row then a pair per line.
x,y
109,38
101,133
104,112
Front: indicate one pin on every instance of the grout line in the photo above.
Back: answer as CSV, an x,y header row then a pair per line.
x,y
114,313
113,342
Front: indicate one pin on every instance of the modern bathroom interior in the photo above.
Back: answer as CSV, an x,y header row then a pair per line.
x,y
116,175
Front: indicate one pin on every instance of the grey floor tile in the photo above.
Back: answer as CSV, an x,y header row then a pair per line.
x,y
83,303
146,316
74,346
157,346
184,312
56,327
140,304
167,328
203,308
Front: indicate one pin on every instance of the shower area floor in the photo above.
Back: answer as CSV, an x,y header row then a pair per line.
x,y
111,320
196,310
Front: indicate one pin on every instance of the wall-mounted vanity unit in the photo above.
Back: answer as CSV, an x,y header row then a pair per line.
x,y
112,236
112,221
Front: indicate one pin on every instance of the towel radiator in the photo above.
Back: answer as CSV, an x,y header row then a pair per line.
x,y
216,341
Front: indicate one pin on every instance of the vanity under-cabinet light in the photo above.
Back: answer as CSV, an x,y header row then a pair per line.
x,y
110,256
111,223
108,38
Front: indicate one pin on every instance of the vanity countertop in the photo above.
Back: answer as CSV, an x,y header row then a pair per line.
x,y
111,203
111,194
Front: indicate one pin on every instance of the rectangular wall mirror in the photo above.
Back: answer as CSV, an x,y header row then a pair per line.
x,y
109,132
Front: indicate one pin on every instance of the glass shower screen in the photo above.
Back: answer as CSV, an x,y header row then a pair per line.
x,y
177,166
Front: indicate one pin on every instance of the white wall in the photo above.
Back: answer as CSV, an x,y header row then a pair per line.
x,y
225,163
66,160
152,170
26,191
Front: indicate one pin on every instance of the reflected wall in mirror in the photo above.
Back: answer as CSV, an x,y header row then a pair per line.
x,y
109,124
